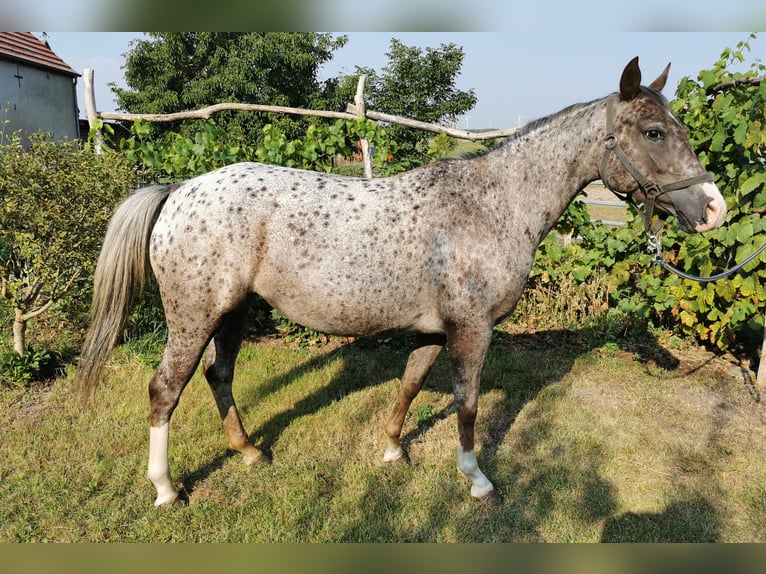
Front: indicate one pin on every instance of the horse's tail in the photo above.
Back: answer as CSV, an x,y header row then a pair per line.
x,y
120,273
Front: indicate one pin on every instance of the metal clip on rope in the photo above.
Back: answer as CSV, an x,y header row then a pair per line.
x,y
653,246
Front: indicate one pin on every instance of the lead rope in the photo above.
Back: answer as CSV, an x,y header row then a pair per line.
x,y
654,246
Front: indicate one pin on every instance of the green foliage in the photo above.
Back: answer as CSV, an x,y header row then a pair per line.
x,y
441,146
56,201
21,371
176,157
322,143
725,113
295,333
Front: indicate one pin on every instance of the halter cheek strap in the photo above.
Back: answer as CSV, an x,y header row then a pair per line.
x,y
651,189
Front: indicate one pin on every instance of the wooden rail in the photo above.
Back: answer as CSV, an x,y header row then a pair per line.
x,y
353,111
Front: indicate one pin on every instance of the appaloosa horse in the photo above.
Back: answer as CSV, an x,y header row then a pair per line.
x,y
443,251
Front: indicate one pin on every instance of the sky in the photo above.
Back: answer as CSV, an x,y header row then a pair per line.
x,y
517,76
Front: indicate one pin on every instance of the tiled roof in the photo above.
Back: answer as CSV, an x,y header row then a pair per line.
x,y
27,48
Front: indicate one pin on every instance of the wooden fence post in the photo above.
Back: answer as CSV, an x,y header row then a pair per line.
x,y
359,110
90,109
760,377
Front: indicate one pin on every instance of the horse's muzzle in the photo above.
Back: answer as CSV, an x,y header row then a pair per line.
x,y
699,208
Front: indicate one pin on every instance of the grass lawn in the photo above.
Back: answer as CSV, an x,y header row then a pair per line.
x,y
586,441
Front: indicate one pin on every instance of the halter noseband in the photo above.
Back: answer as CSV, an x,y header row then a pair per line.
x,y
651,189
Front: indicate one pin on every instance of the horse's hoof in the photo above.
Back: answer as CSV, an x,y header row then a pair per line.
x,y
492,498
180,501
255,456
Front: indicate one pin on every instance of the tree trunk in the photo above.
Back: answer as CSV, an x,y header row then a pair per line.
x,y
20,333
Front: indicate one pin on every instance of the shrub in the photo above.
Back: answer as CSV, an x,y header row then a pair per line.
x,y
56,201
22,370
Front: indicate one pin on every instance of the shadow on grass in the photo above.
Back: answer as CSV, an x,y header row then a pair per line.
x,y
693,520
385,364
692,517
362,368
521,365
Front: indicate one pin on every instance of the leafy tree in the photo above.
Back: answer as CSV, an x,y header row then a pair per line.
x,y
417,84
176,71
55,202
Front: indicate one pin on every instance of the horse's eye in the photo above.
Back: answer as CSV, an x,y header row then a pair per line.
x,y
654,135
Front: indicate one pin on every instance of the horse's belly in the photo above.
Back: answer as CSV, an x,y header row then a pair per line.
x,y
350,303
360,324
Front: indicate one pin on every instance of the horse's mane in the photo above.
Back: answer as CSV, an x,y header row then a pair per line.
x,y
534,125
525,130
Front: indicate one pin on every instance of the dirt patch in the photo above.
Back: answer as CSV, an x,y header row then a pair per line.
x,y
25,404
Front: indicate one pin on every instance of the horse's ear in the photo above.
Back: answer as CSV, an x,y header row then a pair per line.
x,y
659,83
630,80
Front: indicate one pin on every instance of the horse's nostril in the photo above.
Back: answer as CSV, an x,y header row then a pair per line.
x,y
711,212
715,212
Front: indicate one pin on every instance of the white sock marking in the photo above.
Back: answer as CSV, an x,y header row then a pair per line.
x,y
392,453
469,466
158,470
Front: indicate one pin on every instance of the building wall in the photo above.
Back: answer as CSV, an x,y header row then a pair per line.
x,y
39,100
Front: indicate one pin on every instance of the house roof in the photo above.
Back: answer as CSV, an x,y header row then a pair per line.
x,y
25,47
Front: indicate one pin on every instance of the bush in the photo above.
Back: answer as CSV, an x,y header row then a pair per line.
x,y
34,365
725,113
55,202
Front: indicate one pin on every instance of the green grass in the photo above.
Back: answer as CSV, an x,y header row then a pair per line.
x,y
585,441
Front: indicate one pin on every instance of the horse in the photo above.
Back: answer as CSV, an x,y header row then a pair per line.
x,y
442,251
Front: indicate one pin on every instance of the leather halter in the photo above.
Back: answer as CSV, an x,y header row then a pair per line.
x,y
651,189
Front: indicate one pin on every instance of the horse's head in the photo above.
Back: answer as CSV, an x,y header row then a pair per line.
x,y
648,156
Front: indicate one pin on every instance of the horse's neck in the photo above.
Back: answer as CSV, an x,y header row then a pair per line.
x,y
550,163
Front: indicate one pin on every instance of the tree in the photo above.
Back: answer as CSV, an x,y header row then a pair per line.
x,y
417,84
56,201
176,71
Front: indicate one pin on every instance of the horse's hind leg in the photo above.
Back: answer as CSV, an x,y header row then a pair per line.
x,y
173,373
420,361
219,371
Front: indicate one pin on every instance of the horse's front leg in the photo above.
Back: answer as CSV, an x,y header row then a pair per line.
x,y
420,361
468,348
